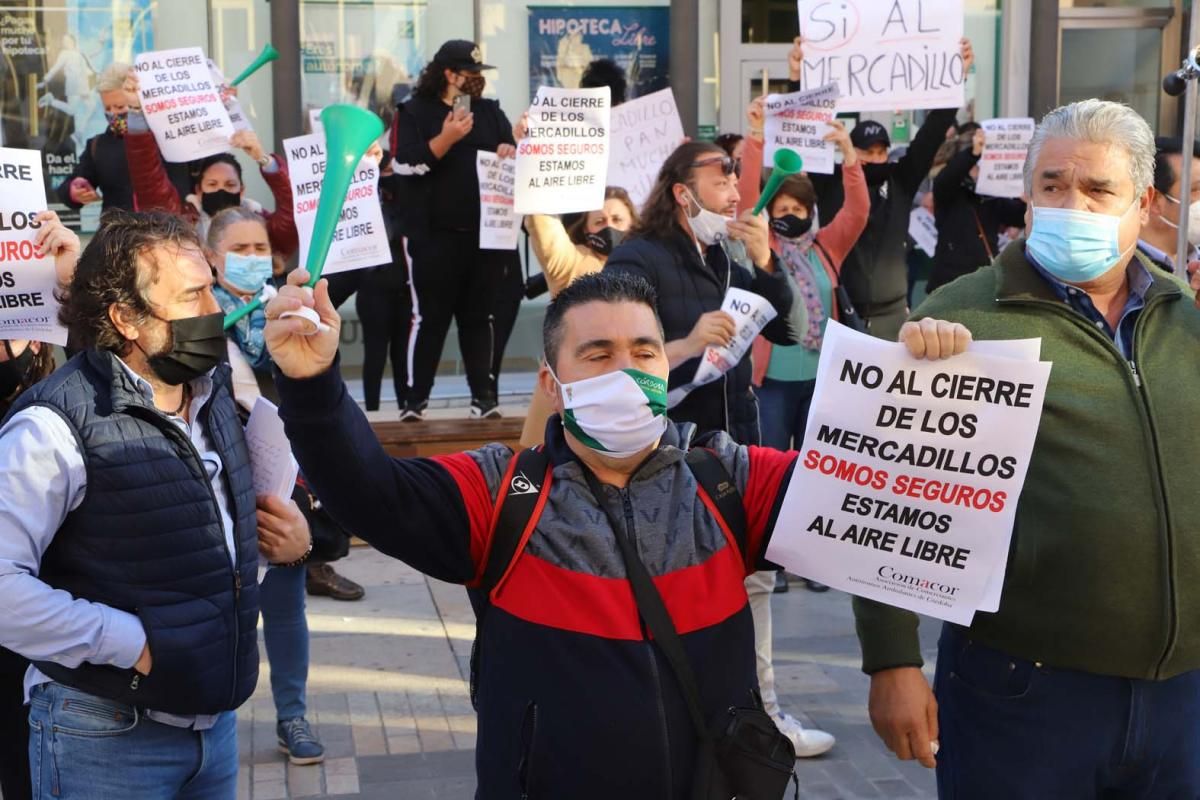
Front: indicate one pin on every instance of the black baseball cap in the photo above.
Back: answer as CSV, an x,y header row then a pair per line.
x,y
868,133
461,56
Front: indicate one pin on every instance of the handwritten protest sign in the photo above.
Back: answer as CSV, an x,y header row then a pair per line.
x,y
233,106
563,160
884,54
1002,162
799,121
645,131
922,227
907,483
28,307
182,105
498,225
360,239
751,313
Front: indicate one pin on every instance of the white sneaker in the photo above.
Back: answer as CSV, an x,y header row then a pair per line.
x,y
808,742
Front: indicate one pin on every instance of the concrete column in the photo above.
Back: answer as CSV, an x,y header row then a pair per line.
x,y
685,61
285,72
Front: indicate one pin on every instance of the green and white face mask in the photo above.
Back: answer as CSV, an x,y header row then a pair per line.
x,y
618,414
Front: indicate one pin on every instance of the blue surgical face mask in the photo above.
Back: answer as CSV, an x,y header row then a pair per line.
x,y
1076,246
247,273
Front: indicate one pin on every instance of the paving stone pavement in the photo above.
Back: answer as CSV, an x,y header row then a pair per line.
x,y
388,699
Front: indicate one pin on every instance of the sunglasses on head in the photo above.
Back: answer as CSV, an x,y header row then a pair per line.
x,y
729,165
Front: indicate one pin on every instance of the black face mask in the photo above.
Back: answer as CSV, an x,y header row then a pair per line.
x,y
197,345
216,202
877,173
604,240
473,85
14,370
789,226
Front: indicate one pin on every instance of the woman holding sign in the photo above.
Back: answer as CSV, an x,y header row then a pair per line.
x,y
219,182
785,376
813,256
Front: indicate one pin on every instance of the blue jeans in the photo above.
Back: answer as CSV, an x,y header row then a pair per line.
x,y
285,632
83,747
783,412
1010,728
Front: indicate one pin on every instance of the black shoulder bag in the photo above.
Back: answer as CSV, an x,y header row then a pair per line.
x,y
746,758
847,314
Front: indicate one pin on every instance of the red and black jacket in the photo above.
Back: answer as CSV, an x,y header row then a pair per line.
x,y
574,701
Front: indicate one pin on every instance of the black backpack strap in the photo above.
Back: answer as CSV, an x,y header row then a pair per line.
x,y
720,487
518,506
654,613
516,503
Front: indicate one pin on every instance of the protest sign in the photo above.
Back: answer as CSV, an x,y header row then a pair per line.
x,y
922,227
233,106
562,162
498,225
907,482
885,55
182,105
1002,162
751,313
28,307
799,122
360,239
644,132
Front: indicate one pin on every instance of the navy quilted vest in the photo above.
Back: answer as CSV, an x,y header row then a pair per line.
x,y
147,539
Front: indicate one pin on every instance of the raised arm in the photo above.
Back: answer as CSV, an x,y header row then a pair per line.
x,y
839,236
431,513
561,261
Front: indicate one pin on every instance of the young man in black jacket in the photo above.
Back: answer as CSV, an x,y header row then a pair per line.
x,y
875,273
676,250
435,146
968,224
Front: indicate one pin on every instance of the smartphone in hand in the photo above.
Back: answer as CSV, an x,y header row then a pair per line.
x,y
462,103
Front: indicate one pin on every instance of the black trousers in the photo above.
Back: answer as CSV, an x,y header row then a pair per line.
x,y
454,280
385,313
508,303
14,728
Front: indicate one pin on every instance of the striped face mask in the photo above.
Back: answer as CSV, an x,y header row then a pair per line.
x,y
618,414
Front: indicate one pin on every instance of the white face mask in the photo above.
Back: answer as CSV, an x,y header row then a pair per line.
x,y
709,227
618,414
1193,220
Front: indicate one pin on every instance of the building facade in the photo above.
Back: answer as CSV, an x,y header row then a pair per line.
x,y
717,55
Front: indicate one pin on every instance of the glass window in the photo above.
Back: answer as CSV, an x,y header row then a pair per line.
x,y
366,53
766,21
1121,64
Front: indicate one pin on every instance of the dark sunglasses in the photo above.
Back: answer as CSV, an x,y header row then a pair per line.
x,y
729,165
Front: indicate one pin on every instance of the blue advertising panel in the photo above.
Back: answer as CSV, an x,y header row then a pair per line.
x,y
563,40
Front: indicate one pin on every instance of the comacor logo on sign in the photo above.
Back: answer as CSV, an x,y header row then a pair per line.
x,y
887,573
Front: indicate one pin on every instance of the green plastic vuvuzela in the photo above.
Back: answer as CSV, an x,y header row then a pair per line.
x,y
787,164
349,132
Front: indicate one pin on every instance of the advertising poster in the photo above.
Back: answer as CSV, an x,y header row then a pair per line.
x,y
563,40
53,53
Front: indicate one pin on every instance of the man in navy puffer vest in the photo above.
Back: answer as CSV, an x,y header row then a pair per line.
x,y
128,564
